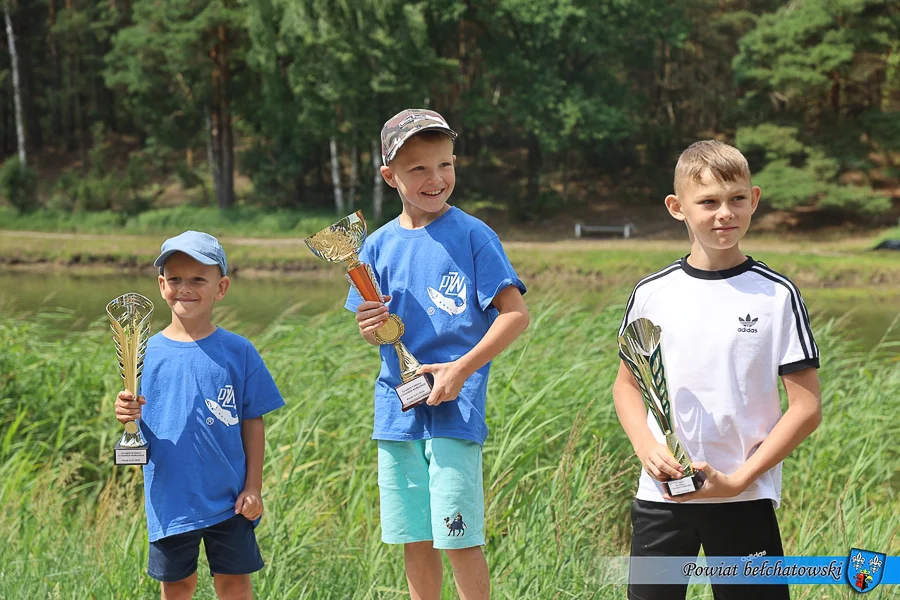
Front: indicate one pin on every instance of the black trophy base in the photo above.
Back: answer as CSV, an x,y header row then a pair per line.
x,y
685,485
415,391
139,455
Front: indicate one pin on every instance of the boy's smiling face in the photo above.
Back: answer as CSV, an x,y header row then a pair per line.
x,y
423,172
191,288
717,213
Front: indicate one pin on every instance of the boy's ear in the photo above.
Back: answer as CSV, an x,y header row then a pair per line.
x,y
162,286
755,194
674,207
388,176
222,287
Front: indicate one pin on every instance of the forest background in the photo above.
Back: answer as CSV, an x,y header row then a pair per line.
x,y
564,107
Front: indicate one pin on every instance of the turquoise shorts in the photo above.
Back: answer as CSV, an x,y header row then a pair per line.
x,y
431,490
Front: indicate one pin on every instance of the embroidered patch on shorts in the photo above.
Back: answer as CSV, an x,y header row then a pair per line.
x,y
457,527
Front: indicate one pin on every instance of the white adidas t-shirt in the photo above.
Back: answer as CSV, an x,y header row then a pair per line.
x,y
726,338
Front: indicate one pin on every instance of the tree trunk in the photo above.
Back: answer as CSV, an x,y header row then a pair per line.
x,y
6,124
79,123
533,164
17,94
336,178
211,155
30,98
354,178
377,181
223,141
56,123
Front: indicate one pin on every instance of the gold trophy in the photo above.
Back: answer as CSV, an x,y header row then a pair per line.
x,y
341,243
129,317
641,345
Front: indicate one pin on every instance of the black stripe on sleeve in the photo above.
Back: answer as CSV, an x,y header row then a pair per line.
x,y
800,365
799,298
675,266
797,312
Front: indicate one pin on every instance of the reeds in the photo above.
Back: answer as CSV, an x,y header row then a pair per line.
x,y
559,474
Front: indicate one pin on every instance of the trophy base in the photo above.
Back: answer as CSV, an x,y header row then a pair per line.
x,y
139,455
685,485
415,391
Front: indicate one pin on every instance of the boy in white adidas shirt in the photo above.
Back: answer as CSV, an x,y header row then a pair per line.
x,y
730,327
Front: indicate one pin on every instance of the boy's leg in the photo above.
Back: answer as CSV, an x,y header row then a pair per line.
x,y
742,529
403,486
173,562
233,587
470,571
424,571
179,590
457,511
233,554
660,529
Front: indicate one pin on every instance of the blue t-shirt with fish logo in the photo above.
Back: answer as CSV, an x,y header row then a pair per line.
x,y
198,395
442,279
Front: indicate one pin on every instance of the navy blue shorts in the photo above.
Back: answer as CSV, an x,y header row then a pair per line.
x,y
231,549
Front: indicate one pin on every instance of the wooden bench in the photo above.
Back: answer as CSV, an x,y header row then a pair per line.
x,y
625,230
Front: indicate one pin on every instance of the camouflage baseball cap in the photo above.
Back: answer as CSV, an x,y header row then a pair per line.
x,y
406,124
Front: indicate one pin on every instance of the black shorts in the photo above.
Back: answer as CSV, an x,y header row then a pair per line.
x,y
723,529
231,549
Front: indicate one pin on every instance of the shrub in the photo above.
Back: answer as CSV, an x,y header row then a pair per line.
x,y
18,184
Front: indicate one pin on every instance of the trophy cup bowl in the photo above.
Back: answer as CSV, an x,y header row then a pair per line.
x,y
641,346
341,242
129,317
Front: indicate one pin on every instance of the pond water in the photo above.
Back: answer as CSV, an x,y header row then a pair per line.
x,y
253,303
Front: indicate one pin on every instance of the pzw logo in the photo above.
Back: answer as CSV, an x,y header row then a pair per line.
x,y
864,569
226,397
221,409
452,283
450,296
747,324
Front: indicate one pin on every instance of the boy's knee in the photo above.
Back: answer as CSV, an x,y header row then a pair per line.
x,y
467,558
233,587
464,552
419,546
179,590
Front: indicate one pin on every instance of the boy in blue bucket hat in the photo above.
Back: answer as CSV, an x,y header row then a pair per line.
x,y
205,391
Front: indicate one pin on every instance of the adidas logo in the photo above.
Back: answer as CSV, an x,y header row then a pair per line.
x,y
747,324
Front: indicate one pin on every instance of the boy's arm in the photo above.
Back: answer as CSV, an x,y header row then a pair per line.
x,y
509,324
632,414
253,436
803,415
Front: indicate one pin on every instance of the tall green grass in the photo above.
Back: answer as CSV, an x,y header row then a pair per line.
x,y
559,474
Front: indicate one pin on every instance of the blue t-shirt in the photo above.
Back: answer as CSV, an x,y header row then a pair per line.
x,y
198,394
443,279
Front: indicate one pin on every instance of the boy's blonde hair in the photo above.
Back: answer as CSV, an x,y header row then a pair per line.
x,y
724,162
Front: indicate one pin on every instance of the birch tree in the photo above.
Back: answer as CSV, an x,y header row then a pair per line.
x,y
17,90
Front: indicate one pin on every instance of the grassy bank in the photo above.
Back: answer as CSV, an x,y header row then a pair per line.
x,y
239,221
558,470
840,263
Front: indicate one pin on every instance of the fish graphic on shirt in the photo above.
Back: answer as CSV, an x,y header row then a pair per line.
x,y
448,303
220,413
